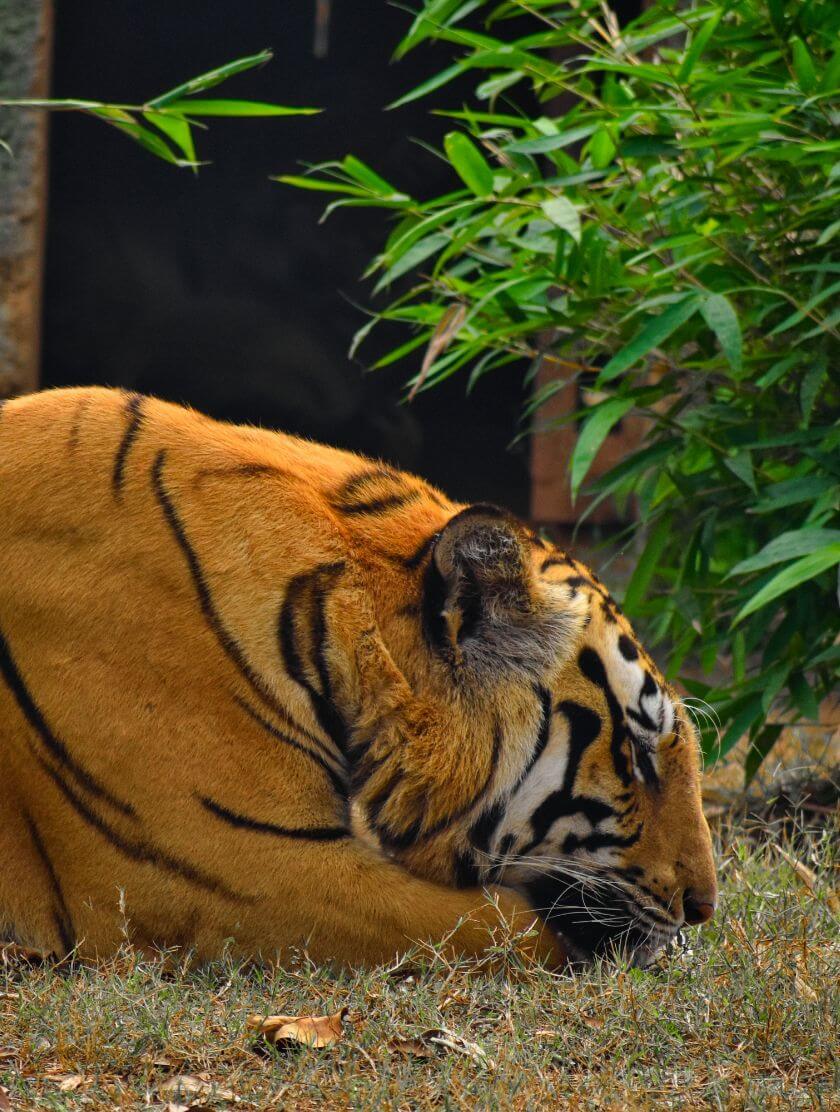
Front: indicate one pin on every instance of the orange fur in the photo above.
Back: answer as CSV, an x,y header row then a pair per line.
x,y
210,634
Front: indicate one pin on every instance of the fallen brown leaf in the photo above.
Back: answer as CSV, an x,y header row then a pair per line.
x,y
5,1102
414,1048
450,1040
309,1030
804,989
187,1091
810,880
70,1083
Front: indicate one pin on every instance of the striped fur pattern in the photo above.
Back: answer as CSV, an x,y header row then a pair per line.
x,y
259,690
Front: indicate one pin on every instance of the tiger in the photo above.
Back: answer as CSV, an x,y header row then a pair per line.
x,y
261,696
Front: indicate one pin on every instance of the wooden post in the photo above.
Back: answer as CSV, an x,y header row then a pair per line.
x,y
551,450
25,43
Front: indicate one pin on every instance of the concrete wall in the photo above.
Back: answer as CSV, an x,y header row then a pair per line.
x,y
24,66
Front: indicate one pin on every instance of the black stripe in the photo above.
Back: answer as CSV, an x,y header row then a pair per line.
x,y
432,604
312,586
664,904
644,762
238,471
483,829
54,745
134,414
498,867
137,850
243,822
377,801
363,764
378,505
292,723
339,782
592,667
465,871
543,734
420,553
560,560
75,428
350,487
63,921
226,641
326,579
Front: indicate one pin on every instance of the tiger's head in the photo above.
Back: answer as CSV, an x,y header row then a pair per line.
x,y
589,800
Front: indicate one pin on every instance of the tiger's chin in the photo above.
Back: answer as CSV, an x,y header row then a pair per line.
x,y
600,922
620,949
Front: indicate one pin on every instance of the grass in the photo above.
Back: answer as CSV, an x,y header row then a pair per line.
x,y
747,1017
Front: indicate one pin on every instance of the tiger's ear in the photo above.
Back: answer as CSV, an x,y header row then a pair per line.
x,y
483,605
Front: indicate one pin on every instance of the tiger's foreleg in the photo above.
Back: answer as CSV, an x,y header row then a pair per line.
x,y
347,903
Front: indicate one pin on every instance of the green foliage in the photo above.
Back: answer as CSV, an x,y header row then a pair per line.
x,y
173,114
666,217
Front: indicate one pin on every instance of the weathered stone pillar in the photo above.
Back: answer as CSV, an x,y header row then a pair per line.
x,y
25,40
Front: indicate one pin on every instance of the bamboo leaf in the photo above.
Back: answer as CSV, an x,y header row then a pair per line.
x,y
177,129
803,66
808,567
699,42
210,78
788,546
722,319
646,566
469,163
649,336
564,214
595,430
602,148
201,107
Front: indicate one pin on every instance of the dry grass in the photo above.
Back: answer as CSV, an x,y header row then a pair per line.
x,y
746,1018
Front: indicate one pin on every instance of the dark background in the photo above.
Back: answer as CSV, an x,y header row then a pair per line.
x,y
222,290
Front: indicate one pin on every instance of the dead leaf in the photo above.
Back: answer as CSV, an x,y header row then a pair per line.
x,y
70,1083
414,1048
450,1040
445,332
5,1101
810,880
804,989
310,1030
187,1091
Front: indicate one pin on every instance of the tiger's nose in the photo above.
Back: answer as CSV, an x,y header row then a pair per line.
x,y
698,907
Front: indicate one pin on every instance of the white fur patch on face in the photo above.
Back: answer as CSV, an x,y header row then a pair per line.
x,y
649,710
544,810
